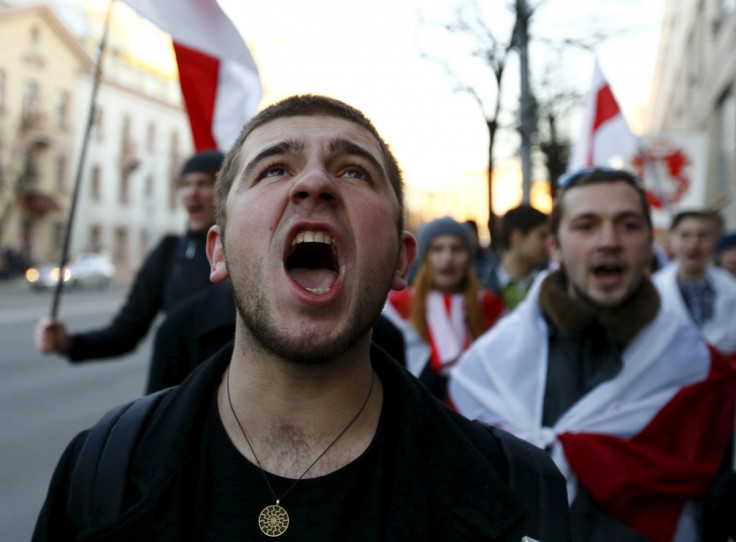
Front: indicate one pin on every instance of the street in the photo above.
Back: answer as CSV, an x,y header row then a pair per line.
x,y
45,401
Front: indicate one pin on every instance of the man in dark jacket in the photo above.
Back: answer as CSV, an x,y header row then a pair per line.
x,y
300,429
173,271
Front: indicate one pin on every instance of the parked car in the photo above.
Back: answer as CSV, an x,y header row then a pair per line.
x,y
87,270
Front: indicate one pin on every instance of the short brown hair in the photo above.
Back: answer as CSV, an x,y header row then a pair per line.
x,y
593,176
708,216
306,105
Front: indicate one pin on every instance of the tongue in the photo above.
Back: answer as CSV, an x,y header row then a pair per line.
x,y
313,279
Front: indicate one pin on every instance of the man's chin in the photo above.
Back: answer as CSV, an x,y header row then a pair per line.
x,y
307,348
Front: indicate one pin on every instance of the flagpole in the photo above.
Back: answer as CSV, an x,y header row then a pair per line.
x,y
80,164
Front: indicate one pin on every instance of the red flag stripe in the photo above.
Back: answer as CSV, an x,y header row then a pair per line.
x,y
606,107
198,78
646,481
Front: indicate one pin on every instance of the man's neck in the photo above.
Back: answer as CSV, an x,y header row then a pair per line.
x,y
516,267
291,412
691,274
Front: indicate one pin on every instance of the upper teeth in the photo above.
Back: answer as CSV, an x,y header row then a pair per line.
x,y
313,237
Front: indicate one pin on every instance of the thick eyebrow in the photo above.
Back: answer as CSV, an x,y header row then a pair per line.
x,y
341,145
624,215
290,146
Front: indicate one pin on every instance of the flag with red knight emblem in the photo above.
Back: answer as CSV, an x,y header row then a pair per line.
x,y
218,76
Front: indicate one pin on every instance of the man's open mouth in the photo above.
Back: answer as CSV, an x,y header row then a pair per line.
x,y
312,261
608,270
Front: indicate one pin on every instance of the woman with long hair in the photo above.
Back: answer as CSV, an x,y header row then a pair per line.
x,y
445,308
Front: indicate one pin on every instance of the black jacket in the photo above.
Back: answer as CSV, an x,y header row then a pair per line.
x,y
176,269
192,332
450,476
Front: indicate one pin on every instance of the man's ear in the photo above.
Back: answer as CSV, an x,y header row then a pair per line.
x,y
406,260
216,255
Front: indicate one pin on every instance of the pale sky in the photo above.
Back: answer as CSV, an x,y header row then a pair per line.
x,y
369,53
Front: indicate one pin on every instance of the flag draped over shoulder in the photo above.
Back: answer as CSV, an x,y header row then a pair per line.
x,y
218,76
643,443
604,133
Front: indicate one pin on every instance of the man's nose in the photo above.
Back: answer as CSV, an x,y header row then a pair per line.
x,y
313,185
610,236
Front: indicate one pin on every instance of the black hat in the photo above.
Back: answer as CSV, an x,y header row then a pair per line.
x,y
205,161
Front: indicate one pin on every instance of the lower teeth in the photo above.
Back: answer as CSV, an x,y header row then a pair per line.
x,y
319,291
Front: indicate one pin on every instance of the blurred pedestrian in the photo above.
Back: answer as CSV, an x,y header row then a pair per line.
x,y
483,257
525,239
445,309
726,252
174,270
692,287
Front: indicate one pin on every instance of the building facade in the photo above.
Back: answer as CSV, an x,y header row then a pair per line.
x,y
694,90
40,67
127,197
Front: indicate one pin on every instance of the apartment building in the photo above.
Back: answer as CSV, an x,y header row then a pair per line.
x,y
139,137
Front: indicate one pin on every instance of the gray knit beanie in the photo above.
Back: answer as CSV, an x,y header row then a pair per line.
x,y
441,226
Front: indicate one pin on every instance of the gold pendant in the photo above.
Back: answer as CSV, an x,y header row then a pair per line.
x,y
273,520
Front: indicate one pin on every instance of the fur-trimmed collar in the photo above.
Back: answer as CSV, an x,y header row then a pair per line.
x,y
572,315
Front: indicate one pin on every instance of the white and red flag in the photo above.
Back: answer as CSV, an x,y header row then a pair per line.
x,y
604,133
218,76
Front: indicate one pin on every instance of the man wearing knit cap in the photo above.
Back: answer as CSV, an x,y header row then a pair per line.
x,y
174,270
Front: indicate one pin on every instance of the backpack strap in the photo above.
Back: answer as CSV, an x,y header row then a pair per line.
x,y
97,485
537,483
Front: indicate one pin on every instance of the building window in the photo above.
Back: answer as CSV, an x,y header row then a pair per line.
x,y
99,124
174,169
96,184
124,188
61,183
143,249
151,137
59,236
126,142
726,7
148,188
120,250
30,102
726,149
2,90
95,238
62,109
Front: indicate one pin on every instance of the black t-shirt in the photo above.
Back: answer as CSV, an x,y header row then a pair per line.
x,y
344,505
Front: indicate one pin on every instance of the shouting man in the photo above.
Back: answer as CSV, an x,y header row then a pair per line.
x,y
301,429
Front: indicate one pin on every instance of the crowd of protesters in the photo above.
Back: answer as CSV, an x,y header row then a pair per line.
x,y
577,337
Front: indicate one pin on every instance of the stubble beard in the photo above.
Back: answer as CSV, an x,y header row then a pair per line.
x,y
306,347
